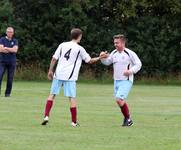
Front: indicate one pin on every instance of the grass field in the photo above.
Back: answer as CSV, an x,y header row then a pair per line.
x,y
156,111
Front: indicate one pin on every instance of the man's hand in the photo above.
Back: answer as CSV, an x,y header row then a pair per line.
x,y
3,49
50,75
127,72
103,55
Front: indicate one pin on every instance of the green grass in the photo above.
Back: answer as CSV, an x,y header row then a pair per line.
x,y
156,111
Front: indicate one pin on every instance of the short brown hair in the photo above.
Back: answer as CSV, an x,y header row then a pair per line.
x,y
75,33
120,36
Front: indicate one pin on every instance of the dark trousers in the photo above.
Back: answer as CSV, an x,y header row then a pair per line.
x,y
10,68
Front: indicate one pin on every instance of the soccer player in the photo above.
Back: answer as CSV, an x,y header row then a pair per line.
x,y
69,56
125,63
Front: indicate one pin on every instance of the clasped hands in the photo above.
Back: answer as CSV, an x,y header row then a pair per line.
x,y
105,54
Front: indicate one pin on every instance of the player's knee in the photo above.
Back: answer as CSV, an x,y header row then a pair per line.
x,y
51,97
73,102
120,102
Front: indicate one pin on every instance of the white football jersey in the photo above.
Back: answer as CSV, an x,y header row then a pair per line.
x,y
69,56
122,61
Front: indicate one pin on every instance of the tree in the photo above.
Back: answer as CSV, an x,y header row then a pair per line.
x,y
6,15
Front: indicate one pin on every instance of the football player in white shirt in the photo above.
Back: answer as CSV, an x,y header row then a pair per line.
x,y
125,63
69,56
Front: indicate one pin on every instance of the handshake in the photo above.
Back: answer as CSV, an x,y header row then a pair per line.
x,y
104,54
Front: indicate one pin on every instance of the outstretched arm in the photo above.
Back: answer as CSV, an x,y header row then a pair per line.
x,y
94,60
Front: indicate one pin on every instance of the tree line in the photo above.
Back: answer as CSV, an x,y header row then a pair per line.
x,y
152,28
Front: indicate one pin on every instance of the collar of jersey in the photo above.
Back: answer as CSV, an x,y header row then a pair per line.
x,y
9,39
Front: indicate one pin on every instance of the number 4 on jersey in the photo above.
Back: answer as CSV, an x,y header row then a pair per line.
x,y
67,54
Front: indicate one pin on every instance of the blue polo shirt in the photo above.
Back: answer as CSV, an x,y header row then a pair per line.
x,y
8,57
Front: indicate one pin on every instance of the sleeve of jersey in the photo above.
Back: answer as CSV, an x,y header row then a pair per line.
x,y
85,56
16,43
57,52
107,61
136,63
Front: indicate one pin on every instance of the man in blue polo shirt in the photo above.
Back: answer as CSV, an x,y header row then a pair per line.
x,y
8,50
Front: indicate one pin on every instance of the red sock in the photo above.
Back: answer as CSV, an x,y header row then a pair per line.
x,y
48,107
125,111
73,111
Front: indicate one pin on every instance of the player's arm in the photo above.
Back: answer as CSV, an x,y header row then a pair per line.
x,y
102,56
136,64
94,60
14,49
51,67
53,62
86,57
